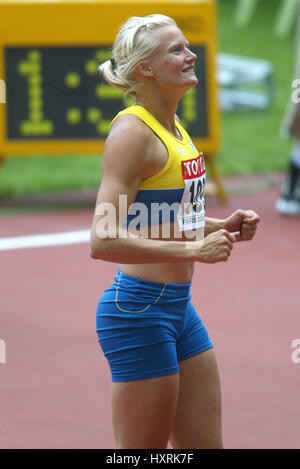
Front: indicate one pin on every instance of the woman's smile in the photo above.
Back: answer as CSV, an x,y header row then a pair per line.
x,y
189,69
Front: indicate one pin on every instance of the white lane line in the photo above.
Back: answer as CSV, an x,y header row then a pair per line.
x,y
49,239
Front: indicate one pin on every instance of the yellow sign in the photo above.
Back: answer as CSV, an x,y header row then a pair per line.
x,y
52,98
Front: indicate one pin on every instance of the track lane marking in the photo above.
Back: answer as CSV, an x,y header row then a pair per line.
x,y
44,240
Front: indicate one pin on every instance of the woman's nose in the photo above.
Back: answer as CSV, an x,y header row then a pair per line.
x,y
191,56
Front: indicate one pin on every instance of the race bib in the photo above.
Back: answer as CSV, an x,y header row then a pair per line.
x,y
191,214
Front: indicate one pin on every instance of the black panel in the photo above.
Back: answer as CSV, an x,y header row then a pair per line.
x,y
52,93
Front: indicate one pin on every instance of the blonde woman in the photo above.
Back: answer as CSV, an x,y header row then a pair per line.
x,y
165,382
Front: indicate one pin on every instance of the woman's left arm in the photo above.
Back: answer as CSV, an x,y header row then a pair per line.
x,y
243,223
212,225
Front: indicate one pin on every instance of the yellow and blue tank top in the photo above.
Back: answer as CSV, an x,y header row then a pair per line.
x,y
177,190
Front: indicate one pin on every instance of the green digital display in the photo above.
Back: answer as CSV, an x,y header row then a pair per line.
x,y
56,93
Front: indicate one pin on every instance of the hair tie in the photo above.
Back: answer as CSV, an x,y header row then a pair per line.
x,y
113,62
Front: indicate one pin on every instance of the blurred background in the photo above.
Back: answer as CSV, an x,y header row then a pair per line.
x,y
251,143
55,383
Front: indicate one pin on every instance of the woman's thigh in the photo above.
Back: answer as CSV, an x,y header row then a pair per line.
x,y
143,411
197,423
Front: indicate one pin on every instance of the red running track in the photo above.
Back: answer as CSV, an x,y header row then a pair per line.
x,y
55,384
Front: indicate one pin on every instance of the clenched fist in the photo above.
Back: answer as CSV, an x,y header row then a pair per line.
x,y
243,223
216,247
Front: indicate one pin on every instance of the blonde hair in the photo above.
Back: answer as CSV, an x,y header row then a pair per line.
x,y
134,43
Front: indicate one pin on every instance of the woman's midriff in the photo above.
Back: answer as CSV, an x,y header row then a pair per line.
x,y
165,272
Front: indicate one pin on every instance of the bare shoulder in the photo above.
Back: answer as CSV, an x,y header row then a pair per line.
x,y
128,130
128,146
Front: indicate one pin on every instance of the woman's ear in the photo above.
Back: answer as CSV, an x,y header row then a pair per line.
x,y
144,70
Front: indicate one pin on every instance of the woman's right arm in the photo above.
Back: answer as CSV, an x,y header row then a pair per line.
x,y
125,163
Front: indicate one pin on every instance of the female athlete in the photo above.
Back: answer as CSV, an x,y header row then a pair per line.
x,y
150,219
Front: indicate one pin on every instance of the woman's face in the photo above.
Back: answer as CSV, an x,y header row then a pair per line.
x,y
172,63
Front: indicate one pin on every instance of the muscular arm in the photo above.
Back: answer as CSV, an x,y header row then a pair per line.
x,y
124,165
128,154
212,225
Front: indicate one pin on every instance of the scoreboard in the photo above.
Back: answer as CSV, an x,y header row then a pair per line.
x,y
55,100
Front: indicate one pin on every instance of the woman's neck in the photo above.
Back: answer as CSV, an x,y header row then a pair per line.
x,y
163,110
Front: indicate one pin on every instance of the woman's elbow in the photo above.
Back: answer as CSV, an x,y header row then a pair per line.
x,y
99,249
96,251
93,253
95,248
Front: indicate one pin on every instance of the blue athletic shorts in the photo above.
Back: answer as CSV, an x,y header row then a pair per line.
x,y
146,328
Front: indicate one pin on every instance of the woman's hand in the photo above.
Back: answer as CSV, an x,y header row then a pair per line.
x,y
216,247
243,223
